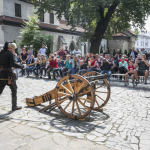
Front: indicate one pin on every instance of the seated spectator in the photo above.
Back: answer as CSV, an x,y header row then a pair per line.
x,y
123,67
130,58
52,65
87,58
42,65
106,64
29,57
68,65
115,65
29,68
143,68
83,67
75,65
60,66
96,57
79,57
123,55
92,64
130,72
37,66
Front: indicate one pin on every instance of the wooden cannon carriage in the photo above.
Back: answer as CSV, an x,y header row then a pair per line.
x,y
76,96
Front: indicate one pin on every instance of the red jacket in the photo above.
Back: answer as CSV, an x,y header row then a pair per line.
x,y
53,63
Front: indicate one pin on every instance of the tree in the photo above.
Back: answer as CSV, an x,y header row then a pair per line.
x,y
101,51
114,52
31,35
125,52
98,16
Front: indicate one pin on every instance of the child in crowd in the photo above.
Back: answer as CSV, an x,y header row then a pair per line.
x,y
130,72
83,67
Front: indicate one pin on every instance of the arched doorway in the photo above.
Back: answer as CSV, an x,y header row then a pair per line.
x,y
71,47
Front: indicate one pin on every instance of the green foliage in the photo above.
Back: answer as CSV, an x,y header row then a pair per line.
x,y
101,51
125,52
98,16
130,50
31,35
136,31
114,52
16,50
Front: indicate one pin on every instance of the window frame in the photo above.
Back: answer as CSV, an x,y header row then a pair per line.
x,y
19,12
51,20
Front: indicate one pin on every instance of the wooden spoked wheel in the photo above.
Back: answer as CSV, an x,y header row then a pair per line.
x,y
71,95
101,89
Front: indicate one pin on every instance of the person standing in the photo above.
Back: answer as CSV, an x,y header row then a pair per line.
x,y
31,50
24,57
133,53
62,53
76,52
42,51
7,61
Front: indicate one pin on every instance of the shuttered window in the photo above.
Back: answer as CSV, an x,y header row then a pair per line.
x,y
52,18
17,10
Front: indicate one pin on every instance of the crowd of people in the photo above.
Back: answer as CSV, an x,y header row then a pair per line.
x,y
64,62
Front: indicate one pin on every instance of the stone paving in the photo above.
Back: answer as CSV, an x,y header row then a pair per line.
x,y
124,124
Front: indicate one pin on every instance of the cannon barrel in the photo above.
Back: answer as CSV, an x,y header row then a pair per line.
x,y
99,77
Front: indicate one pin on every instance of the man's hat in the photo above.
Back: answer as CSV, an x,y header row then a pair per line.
x,y
31,45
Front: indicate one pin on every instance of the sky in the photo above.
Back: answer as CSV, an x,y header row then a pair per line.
x,y
147,26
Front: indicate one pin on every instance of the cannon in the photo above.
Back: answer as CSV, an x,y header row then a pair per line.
x,y
76,96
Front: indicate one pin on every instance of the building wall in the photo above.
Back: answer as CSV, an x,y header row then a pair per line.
x,y
143,42
12,33
26,9
1,34
117,44
1,7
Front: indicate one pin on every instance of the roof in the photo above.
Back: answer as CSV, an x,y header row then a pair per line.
x,y
119,34
61,28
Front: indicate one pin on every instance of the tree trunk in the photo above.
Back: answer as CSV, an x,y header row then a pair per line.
x,y
101,28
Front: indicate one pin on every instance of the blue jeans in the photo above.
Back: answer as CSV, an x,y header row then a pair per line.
x,y
106,71
36,68
74,70
92,69
29,69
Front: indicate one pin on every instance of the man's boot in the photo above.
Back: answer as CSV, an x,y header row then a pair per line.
x,y
14,104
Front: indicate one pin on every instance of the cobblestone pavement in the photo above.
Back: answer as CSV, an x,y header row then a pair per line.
x,y
124,125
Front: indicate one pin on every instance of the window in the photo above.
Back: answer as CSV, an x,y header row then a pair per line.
x,y
52,18
17,10
41,17
137,43
141,43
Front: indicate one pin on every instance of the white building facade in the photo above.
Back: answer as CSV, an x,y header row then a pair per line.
x,y
143,41
13,12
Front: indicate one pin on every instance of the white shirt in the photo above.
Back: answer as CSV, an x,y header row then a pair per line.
x,y
42,51
76,53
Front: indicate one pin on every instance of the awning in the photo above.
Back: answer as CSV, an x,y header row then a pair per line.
x,y
62,39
